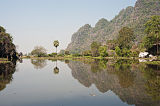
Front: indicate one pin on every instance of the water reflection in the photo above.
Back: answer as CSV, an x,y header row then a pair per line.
x,y
66,61
134,83
131,83
98,65
56,69
39,64
6,72
20,60
152,85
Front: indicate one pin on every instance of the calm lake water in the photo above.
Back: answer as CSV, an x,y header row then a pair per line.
x,y
75,83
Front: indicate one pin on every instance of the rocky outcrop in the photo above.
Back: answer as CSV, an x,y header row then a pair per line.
x,y
133,17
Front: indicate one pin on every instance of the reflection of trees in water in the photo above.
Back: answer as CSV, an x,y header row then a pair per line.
x,y
152,85
6,72
20,60
56,69
98,65
123,71
125,78
66,61
38,64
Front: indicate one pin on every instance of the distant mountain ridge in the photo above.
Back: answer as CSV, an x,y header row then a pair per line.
x,y
133,17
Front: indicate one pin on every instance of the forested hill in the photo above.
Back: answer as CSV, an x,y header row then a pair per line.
x,y
133,17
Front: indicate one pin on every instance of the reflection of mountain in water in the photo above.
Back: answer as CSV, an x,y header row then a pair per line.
x,y
6,72
38,64
129,82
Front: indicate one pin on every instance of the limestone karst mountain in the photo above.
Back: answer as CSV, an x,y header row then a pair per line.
x,y
133,17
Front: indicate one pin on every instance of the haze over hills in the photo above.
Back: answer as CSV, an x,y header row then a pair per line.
x,y
133,17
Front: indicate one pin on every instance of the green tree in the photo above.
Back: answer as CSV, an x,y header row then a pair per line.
x,y
152,29
39,51
52,54
7,48
95,49
103,51
148,41
118,51
56,44
66,52
125,38
126,52
2,30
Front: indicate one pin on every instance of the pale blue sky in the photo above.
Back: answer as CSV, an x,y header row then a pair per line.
x,y
40,22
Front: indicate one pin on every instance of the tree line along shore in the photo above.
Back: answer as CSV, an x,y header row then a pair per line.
x,y
123,47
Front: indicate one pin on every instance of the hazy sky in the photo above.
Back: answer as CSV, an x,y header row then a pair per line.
x,y
40,22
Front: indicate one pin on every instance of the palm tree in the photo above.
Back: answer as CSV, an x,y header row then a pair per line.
x,y
56,44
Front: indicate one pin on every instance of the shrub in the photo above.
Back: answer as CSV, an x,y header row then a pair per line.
x,y
52,54
118,51
76,55
134,54
61,55
103,51
66,53
95,49
39,51
126,52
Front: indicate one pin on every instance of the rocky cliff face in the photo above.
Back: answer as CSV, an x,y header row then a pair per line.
x,y
133,17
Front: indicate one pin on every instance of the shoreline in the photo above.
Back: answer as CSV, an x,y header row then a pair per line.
x,y
87,57
4,60
154,62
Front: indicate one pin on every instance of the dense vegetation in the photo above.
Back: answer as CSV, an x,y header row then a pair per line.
x,y
152,34
39,51
7,48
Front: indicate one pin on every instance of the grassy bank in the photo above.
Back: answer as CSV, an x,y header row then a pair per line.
x,y
61,58
85,57
90,58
